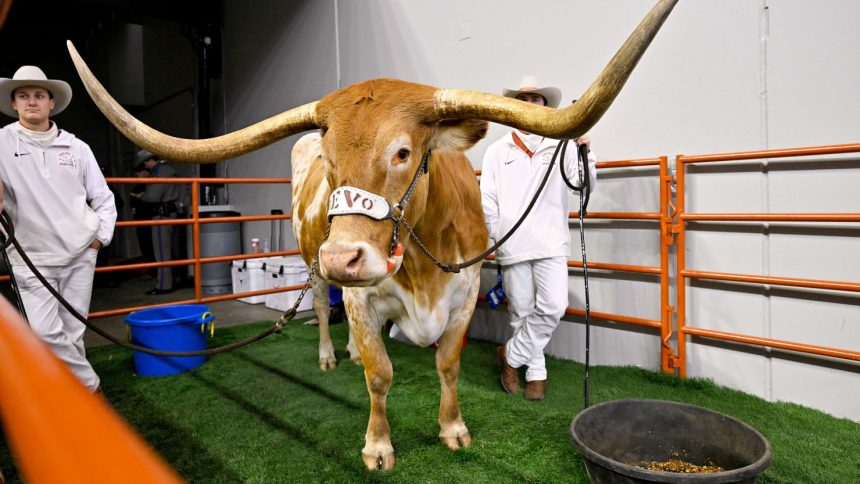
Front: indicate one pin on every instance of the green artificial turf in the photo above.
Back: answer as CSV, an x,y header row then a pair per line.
x,y
266,413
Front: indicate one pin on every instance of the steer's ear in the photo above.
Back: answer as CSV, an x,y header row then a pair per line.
x,y
457,134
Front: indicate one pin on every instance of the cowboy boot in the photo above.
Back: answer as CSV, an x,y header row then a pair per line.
x,y
535,389
510,377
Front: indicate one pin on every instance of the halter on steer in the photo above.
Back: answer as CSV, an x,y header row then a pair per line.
x,y
347,200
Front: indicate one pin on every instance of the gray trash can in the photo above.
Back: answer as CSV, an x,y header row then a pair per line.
x,y
217,239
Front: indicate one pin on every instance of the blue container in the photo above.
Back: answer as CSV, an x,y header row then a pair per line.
x,y
335,295
169,328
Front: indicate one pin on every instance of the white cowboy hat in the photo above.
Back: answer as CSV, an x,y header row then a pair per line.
x,y
33,76
530,84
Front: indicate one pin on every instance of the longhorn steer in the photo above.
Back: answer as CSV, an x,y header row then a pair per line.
x,y
375,142
372,139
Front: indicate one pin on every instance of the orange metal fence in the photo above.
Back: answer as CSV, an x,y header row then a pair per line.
x,y
197,261
685,273
195,221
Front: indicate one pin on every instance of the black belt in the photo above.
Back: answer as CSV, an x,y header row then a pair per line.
x,y
167,208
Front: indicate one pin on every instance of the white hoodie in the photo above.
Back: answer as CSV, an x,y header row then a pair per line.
x,y
509,180
56,197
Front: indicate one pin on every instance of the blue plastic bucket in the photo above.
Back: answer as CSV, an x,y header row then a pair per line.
x,y
335,295
169,328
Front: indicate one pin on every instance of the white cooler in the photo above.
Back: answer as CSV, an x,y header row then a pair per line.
x,y
287,271
249,275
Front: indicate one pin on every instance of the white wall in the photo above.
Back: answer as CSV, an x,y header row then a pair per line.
x,y
277,55
725,75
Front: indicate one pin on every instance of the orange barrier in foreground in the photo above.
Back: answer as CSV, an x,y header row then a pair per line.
x,y
58,431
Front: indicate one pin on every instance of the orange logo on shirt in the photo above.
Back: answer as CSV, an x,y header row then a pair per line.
x,y
66,159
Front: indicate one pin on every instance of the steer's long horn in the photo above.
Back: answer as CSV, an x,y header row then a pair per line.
x,y
569,122
209,150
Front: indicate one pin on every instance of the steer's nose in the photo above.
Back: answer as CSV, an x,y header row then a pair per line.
x,y
342,262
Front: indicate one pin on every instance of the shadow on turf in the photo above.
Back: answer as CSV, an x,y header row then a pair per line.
x,y
297,381
184,452
415,440
295,434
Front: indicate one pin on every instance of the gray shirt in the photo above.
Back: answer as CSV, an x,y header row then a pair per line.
x,y
161,192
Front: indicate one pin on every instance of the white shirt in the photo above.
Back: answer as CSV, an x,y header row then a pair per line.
x,y
509,180
56,196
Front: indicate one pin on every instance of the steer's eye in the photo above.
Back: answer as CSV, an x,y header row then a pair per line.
x,y
403,154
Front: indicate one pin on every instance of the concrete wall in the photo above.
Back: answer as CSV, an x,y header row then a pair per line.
x,y
725,75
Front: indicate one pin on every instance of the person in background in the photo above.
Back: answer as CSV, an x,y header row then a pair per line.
x,y
62,209
164,198
141,210
534,258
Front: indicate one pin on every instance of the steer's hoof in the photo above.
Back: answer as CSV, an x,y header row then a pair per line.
x,y
379,461
328,363
458,441
357,360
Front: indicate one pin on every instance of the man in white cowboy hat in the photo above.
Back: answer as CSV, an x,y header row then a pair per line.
x,y
534,259
162,198
62,209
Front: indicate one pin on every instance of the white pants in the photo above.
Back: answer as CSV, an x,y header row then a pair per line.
x,y
537,298
51,321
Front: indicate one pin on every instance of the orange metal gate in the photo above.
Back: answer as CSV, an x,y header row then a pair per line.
x,y
663,217
684,273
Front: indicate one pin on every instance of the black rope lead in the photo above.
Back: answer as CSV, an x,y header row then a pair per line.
x,y
584,185
461,265
584,190
4,240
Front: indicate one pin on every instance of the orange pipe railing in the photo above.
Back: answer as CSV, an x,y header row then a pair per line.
x,y
222,297
616,267
777,153
775,343
773,217
56,428
619,215
775,281
685,273
650,323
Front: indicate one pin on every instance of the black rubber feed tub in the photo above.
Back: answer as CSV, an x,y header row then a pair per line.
x,y
615,435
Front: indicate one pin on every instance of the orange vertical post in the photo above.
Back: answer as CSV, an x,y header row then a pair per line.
x,y
195,230
681,281
666,239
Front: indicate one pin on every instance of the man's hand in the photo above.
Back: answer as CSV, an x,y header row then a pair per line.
x,y
96,245
584,140
1,197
